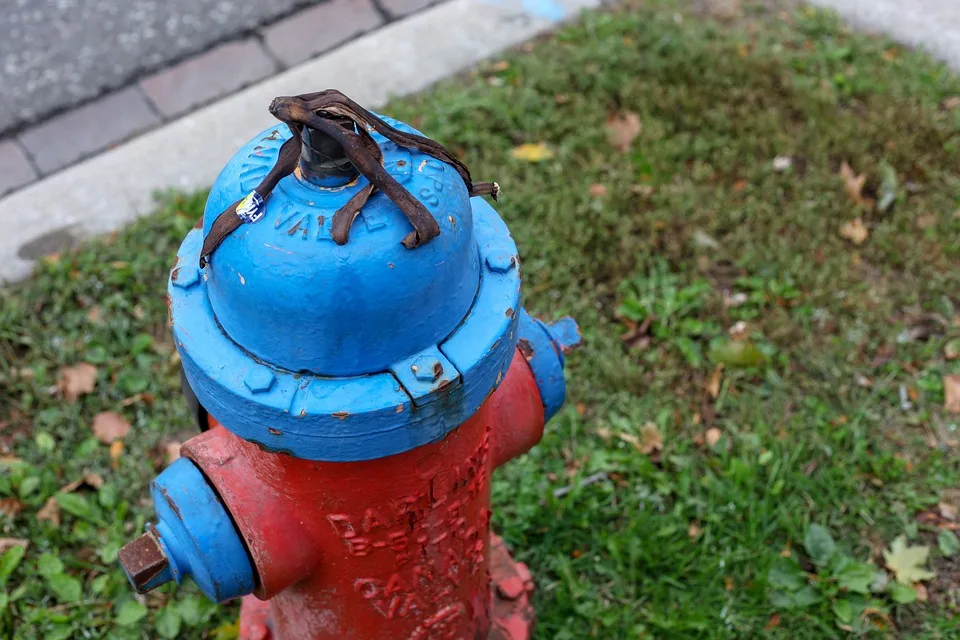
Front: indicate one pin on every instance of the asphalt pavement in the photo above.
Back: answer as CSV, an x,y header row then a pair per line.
x,y
55,54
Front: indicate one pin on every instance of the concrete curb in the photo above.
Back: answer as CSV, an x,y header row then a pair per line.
x,y
107,191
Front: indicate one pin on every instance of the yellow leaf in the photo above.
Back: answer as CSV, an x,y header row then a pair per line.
x,y
116,450
532,152
907,563
854,231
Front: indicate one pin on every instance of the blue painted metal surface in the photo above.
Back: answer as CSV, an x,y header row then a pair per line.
x,y
544,346
197,536
351,352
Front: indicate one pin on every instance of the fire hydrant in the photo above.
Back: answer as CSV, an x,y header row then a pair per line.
x,y
359,390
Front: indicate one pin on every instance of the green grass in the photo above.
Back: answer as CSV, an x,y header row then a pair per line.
x,y
686,542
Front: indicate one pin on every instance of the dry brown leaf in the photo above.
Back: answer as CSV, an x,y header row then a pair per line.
x,y
71,487
622,129
951,393
947,510
9,543
10,507
728,583
598,190
773,622
651,438
694,531
854,186
50,512
926,221
95,480
116,450
953,102
854,231
172,450
110,426
713,436
76,381
713,385
921,589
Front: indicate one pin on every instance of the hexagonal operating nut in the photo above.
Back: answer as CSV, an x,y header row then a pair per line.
x,y
501,262
259,379
185,276
427,369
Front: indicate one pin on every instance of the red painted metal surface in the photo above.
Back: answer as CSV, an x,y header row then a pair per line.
x,y
398,547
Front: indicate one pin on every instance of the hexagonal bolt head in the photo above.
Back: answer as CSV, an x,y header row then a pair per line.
x,y
427,369
143,560
501,262
185,276
259,379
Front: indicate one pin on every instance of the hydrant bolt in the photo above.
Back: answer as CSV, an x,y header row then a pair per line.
x,y
143,560
427,369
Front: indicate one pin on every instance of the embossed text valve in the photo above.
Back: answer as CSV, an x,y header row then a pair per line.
x,y
348,318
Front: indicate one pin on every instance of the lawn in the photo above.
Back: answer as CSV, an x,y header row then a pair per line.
x,y
754,216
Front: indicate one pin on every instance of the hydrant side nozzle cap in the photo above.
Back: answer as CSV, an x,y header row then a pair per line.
x,y
194,536
544,347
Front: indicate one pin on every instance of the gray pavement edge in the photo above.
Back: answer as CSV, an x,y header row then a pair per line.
x,y
110,190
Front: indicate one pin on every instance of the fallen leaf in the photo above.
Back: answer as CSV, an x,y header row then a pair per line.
x,y
736,353
907,562
713,385
651,438
713,436
95,480
854,231
947,510
773,622
10,507
728,583
951,393
953,102
622,129
598,190
116,450
172,450
922,595
854,186
71,487
76,381
532,152
9,543
110,426
50,512
927,221
694,531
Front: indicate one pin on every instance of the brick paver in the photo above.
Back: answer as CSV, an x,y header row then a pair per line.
x,y
315,30
208,76
15,169
64,139
400,8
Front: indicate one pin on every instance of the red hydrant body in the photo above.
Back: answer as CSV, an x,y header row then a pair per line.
x,y
356,394
399,550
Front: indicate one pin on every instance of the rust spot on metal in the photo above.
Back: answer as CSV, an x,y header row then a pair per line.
x,y
169,310
444,384
321,220
292,230
275,432
169,501
143,559
401,163
437,370
303,412
340,415
525,348
199,223
390,264
399,408
175,274
508,313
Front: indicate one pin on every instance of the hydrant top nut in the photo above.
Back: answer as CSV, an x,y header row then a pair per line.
x,y
427,369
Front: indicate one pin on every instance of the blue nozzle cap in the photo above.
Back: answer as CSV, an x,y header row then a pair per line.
x,y
544,346
194,536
